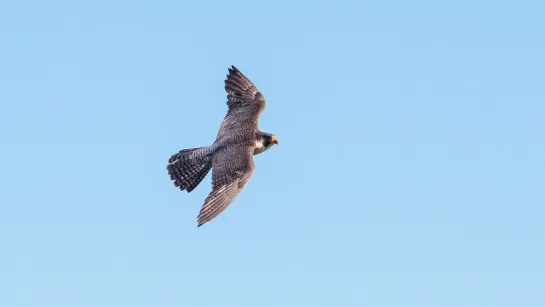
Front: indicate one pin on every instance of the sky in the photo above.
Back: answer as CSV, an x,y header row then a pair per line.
x,y
410,169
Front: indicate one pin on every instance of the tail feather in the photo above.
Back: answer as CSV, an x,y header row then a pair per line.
x,y
188,167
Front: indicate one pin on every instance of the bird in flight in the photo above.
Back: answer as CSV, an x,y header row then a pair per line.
x,y
231,155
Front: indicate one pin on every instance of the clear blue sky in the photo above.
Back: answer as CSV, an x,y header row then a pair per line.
x,y
410,169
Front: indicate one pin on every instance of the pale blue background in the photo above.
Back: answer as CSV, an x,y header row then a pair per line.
x,y
410,170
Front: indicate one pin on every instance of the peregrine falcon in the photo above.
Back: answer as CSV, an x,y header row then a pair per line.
x,y
231,155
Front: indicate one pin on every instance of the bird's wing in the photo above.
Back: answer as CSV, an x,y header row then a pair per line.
x,y
244,100
231,170
242,92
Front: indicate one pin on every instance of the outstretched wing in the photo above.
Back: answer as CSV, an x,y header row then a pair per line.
x,y
241,92
232,168
244,100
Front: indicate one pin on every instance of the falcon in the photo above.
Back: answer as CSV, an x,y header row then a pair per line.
x,y
231,156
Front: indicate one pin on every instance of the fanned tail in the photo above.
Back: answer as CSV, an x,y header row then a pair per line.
x,y
188,167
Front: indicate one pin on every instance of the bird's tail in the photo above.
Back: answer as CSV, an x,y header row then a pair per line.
x,y
188,167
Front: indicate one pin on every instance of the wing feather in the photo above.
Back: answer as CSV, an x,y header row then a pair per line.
x,y
231,170
217,201
239,88
244,100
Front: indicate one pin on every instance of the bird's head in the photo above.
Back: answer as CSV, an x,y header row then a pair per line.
x,y
271,140
264,142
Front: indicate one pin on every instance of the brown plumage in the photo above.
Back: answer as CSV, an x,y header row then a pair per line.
x,y
231,155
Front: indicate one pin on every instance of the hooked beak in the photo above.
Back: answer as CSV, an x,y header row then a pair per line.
x,y
274,140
